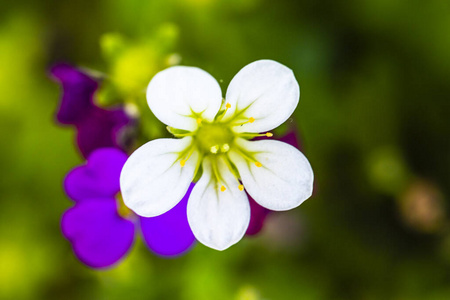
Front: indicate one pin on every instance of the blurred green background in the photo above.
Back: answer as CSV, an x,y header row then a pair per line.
x,y
374,123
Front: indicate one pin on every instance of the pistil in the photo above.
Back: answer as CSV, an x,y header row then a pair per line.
x,y
214,138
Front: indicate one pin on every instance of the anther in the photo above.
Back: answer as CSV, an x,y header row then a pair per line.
x,y
182,162
199,121
214,149
223,188
228,105
258,164
251,119
269,134
225,148
241,187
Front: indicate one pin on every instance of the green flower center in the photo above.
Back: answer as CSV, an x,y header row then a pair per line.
x,y
217,138
214,138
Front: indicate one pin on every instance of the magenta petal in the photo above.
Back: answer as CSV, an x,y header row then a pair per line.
x,y
169,234
78,90
258,215
99,236
291,138
99,178
96,127
100,129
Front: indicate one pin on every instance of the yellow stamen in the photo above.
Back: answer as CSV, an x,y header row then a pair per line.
x,y
186,157
223,188
250,120
228,105
241,187
248,157
199,121
253,135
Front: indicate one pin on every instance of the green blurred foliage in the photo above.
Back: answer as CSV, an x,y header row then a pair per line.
x,y
373,118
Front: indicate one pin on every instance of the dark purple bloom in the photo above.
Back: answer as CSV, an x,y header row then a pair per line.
x,y
259,213
96,127
291,138
166,234
98,178
99,234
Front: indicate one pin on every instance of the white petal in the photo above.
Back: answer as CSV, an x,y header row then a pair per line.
x,y
264,90
218,219
285,178
152,180
175,95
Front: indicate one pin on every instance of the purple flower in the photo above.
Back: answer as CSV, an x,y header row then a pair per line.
x,y
96,127
258,216
258,213
100,233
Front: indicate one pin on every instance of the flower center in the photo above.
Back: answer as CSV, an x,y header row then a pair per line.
x,y
214,138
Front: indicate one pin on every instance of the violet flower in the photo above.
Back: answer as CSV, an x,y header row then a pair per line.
x,y
96,127
258,213
102,231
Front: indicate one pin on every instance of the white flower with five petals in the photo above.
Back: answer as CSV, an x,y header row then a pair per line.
x,y
213,145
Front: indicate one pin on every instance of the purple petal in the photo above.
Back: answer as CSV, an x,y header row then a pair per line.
x,y
97,127
78,90
99,178
291,138
257,217
169,234
99,236
100,129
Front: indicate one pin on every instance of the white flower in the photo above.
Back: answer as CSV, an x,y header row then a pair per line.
x,y
214,142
